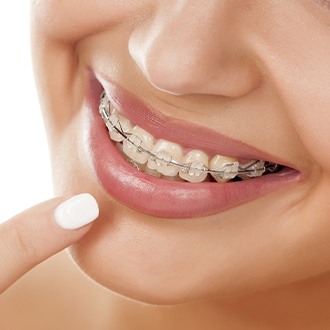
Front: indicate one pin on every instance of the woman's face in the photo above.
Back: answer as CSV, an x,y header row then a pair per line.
x,y
241,79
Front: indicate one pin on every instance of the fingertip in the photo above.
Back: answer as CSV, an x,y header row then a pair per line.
x,y
77,212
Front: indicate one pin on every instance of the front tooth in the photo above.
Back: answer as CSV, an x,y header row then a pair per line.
x,y
121,123
165,152
138,140
227,164
197,161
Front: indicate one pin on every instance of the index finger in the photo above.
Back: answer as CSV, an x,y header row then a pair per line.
x,y
41,231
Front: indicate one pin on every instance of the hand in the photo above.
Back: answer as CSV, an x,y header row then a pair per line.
x,y
41,231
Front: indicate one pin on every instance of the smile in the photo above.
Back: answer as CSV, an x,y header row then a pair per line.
x,y
166,159
167,179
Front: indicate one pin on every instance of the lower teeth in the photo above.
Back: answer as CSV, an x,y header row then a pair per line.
x,y
229,171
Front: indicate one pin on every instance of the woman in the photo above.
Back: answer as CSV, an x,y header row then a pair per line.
x,y
201,129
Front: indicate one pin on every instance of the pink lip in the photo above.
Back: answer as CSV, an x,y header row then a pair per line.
x,y
158,197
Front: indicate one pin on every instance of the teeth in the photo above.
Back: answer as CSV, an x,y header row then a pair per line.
x,y
165,152
197,161
227,164
165,159
124,124
138,140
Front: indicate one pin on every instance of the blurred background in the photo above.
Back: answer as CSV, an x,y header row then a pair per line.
x,y
25,177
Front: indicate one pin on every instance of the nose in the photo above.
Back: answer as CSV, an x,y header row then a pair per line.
x,y
195,47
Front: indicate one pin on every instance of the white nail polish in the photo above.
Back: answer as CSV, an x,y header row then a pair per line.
x,y
77,212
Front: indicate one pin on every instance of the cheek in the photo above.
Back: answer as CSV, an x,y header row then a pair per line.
x,y
312,123
293,53
308,106
70,20
298,66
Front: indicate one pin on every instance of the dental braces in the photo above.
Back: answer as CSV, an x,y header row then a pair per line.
x,y
227,171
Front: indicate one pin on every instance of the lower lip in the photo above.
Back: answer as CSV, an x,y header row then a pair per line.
x,y
159,197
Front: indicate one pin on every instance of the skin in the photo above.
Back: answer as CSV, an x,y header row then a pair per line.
x,y
257,71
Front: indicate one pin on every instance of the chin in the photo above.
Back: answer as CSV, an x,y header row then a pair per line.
x,y
127,256
167,262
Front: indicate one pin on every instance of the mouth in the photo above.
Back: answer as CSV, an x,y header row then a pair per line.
x,y
168,168
166,159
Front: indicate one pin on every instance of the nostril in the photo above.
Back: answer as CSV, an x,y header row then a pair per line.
x,y
172,74
163,68
184,69
168,73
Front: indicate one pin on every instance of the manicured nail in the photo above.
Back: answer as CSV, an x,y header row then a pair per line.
x,y
77,212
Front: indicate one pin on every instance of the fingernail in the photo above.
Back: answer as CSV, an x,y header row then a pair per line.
x,y
77,212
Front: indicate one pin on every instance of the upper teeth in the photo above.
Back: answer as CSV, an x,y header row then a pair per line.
x,y
167,158
165,152
137,141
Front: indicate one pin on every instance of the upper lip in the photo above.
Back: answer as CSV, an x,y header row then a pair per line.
x,y
176,130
